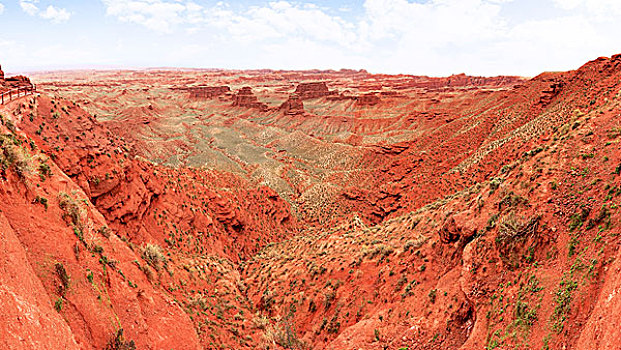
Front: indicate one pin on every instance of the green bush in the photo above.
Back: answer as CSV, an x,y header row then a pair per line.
x,y
58,304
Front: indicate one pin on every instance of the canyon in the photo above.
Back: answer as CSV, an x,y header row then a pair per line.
x,y
223,209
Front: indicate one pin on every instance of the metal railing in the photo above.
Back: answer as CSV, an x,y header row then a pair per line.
x,y
17,92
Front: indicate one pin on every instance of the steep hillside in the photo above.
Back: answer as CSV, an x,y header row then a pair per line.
x,y
312,210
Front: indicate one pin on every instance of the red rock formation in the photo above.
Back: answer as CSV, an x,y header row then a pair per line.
x,y
207,92
312,90
16,81
463,80
369,99
245,98
8,83
293,105
554,88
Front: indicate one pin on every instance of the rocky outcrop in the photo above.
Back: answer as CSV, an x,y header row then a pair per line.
x,y
293,105
17,81
457,81
208,92
554,88
13,82
463,80
369,99
246,98
311,90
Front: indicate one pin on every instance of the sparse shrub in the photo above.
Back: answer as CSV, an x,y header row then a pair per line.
x,y
494,184
400,283
408,289
413,244
104,231
70,208
511,200
14,156
533,152
118,342
512,227
524,316
261,322
41,200
432,296
572,245
268,299
9,125
329,297
382,250
312,307
199,301
602,218
334,325
563,303
148,272
153,255
97,249
491,222
513,232
63,276
58,304
283,334
577,219
44,171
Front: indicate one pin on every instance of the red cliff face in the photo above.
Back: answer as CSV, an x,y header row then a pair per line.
x,y
369,99
207,92
7,83
462,80
245,98
293,105
410,212
312,90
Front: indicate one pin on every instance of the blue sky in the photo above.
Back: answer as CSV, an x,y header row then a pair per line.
x,y
431,37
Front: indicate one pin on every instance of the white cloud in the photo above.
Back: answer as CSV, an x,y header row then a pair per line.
x,y
56,15
1,8
29,6
598,9
282,20
154,14
434,37
427,37
51,13
437,22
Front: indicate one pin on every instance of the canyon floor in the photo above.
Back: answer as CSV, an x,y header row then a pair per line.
x,y
218,209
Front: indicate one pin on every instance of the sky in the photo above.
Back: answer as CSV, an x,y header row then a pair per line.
x,y
423,37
